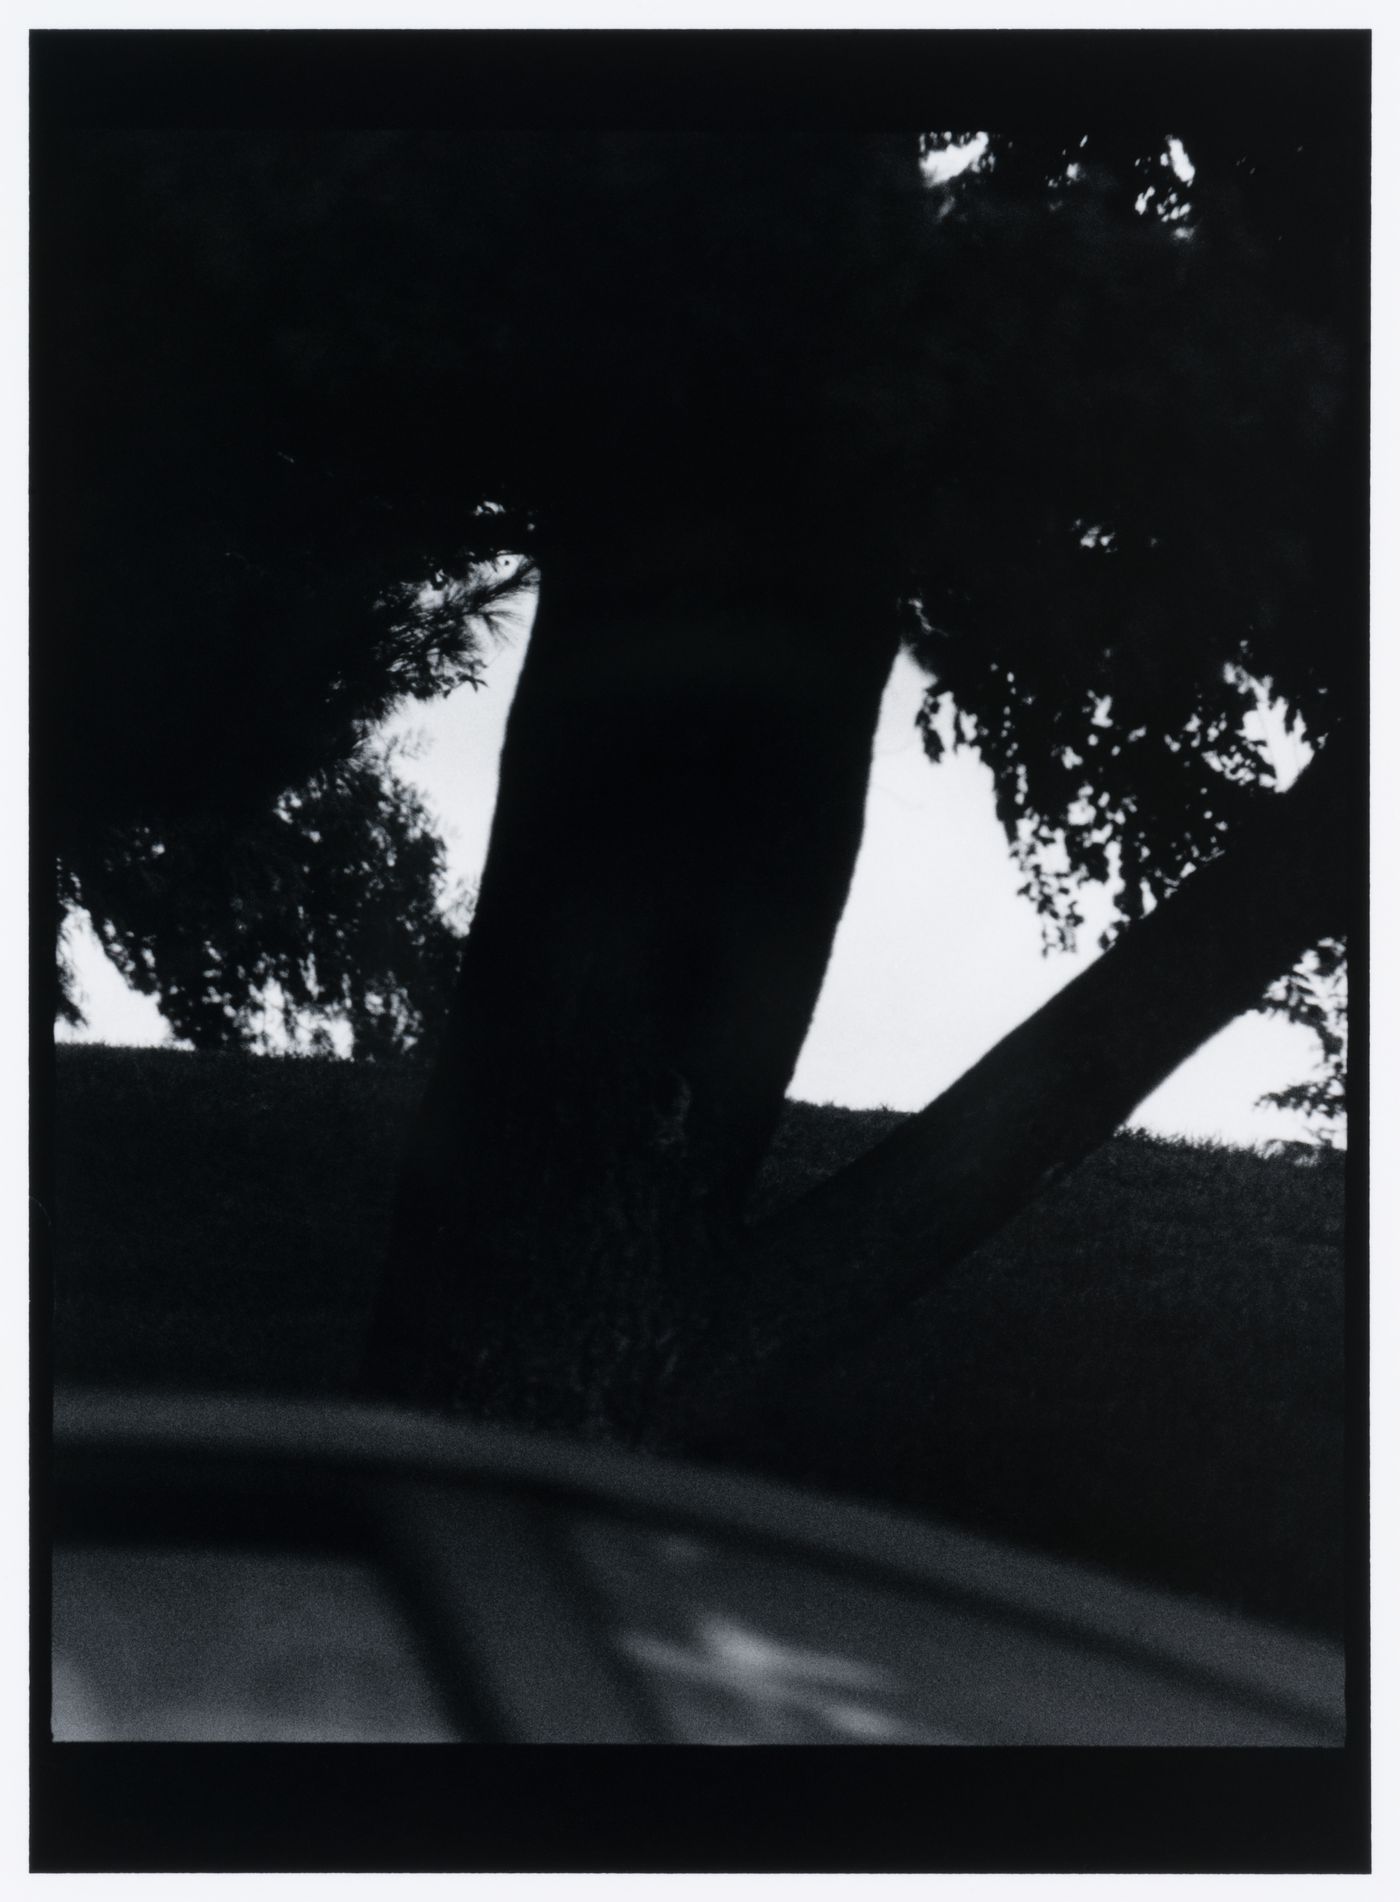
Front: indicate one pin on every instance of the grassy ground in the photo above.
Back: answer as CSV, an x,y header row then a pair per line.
x,y
1145,1368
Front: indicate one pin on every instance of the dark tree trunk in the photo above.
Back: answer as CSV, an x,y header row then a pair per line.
x,y
680,807
683,781
880,1234
569,1243
681,800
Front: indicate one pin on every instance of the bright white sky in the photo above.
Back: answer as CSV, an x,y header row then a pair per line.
x,y
936,957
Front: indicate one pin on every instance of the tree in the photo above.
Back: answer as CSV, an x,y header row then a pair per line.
x,y
1153,710
1081,458
329,909
240,617
1101,544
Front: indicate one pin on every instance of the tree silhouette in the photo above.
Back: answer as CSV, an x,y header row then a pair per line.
x,y
248,605
1110,711
329,909
760,406
1107,505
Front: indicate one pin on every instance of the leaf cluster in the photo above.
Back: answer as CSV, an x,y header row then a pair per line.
x,y
1144,507
329,910
1315,996
1143,455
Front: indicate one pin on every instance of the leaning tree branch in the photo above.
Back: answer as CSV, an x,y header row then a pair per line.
x,y
831,1269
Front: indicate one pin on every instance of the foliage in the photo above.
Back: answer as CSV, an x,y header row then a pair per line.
x,y
1090,399
246,541
1315,995
251,568
331,907
1135,456
1148,453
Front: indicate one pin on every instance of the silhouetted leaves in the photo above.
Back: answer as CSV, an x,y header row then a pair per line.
x,y
1148,490
330,910
1315,995
1087,406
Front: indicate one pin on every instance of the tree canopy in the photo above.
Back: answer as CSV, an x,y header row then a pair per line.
x,y
1148,502
329,910
239,604
1166,434
1095,391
